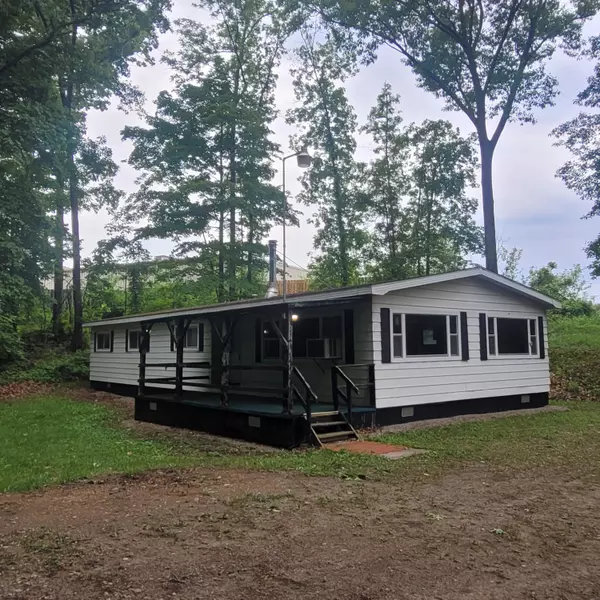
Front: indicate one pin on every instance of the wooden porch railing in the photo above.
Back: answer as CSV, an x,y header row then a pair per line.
x,y
338,375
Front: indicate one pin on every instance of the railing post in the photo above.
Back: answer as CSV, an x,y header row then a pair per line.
x,y
372,385
180,332
226,329
334,389
349,397
142,367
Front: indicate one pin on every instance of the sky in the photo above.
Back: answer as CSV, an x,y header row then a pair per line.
x,y
534,210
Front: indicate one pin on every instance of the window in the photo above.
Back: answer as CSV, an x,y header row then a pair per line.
x,y
425,335
512,336
318,337
491,336
194,337
397,335
103,341
191,337
271,342
133,340
453,321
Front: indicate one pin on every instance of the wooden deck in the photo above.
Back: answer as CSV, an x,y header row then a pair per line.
x,y
247,417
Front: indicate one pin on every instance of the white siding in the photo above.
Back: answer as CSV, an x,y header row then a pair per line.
x,y
406,382
119,366
122,367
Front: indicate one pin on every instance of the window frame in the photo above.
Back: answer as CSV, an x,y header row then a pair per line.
x,y
103,333
342,339
128,340
428,357
264,356
530,335
200,340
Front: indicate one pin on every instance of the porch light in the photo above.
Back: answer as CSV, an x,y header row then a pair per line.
x,y
295,317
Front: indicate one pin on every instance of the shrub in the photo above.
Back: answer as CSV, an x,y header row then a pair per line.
x,y
52,368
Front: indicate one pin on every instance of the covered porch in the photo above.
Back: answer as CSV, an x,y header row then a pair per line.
x,y
277,374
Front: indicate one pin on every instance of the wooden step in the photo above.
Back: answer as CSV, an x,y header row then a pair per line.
x,y
331,413
336,435
330,423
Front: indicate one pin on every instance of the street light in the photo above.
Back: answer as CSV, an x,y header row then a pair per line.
x,y
303,158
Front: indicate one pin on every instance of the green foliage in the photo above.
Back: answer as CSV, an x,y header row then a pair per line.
x,y
328,126
487,59
581,136
416,188
568,286
575,356
206,154
54,366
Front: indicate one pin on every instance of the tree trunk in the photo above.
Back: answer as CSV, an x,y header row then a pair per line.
x,y
59,238
250,273
428,238
487,195
77,339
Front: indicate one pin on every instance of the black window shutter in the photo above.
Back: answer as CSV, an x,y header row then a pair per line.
x,y
483,337
95,342
201,337
386,352
258,341
349,336
127,340
464,336
112,340
542,342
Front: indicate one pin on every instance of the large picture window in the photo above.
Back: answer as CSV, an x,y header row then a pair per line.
x,y
425,335
512,336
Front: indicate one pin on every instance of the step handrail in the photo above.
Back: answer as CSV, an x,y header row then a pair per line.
x,y
336,392
305,383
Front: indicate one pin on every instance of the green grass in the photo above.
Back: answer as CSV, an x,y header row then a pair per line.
x,y
50,440
575,357
575,332
53,440
569,439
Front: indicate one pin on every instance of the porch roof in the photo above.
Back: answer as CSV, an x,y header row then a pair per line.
x,y
336,294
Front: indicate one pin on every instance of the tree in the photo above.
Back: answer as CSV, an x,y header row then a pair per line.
x,y
94,68
564,286
206,154
417,195
387,185
581,136
483,57
328,126
440,213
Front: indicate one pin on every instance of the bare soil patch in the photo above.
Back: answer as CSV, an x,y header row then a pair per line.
x,y
475,534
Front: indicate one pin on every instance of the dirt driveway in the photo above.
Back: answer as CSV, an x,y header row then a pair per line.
x,y
476,534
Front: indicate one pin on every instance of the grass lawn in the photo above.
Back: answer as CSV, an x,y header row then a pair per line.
x,y
51,440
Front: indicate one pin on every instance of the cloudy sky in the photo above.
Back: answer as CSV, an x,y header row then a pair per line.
x,y
534,211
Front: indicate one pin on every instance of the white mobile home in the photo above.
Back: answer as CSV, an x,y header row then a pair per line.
x,y
284,372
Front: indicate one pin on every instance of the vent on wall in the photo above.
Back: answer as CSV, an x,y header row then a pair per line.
x,y
407,411
525,399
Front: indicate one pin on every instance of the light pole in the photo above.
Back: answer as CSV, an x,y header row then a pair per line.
x,y
303,159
